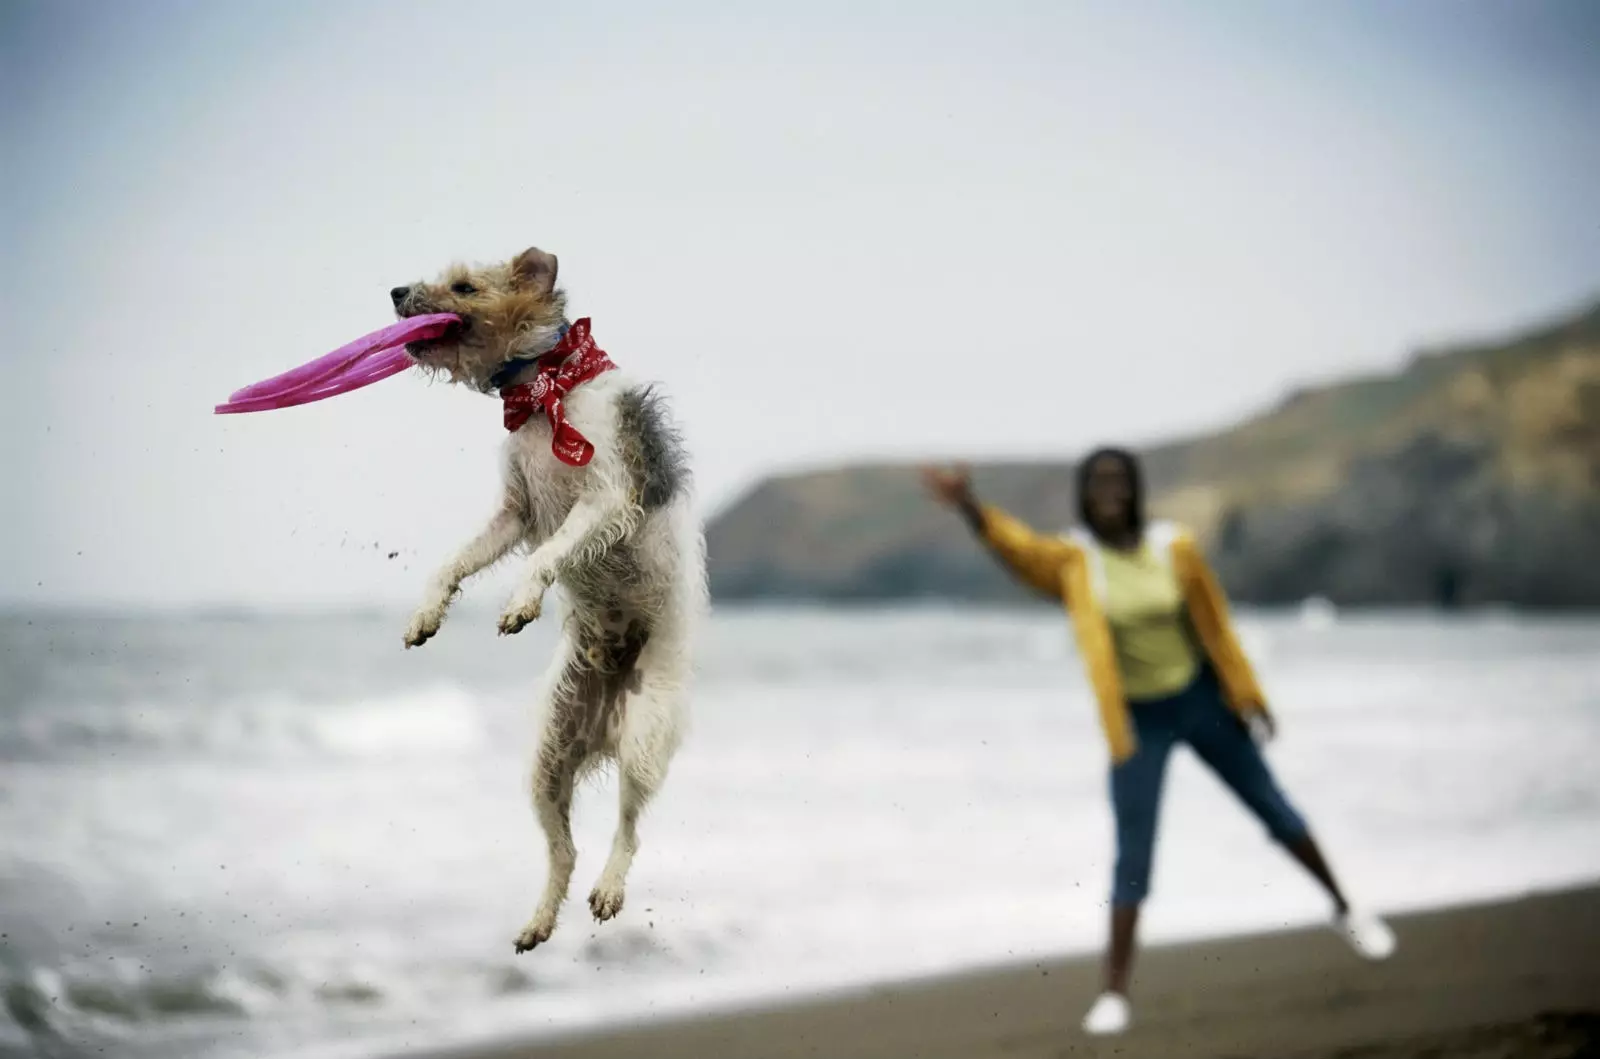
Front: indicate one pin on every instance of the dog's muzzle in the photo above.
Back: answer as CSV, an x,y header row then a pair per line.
x,y
422,347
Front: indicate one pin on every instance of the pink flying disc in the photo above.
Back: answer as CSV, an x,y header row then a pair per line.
x,y
350,367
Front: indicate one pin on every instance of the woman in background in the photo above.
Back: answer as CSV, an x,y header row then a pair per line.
x,y
1153,629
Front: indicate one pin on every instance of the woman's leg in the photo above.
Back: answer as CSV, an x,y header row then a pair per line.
x,y
1224,744
1305,850
1136,803
1119,953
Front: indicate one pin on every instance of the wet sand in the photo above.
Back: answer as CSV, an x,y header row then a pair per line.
x,y
1512,980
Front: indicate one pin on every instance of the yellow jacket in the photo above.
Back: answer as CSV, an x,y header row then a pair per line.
x,y
1067,567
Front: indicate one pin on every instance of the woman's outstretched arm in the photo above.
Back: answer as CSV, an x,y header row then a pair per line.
x,y
1037,560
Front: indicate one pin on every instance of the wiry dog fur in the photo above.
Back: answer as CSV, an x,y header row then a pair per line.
x,y
617,535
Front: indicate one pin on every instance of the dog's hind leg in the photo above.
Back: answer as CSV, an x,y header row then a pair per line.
x,y
645,745
605,900
552,801
563,747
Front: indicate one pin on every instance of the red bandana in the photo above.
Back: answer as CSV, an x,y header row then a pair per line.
x,y
574,361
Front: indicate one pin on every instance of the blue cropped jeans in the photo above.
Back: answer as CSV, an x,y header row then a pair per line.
x,y
1197,715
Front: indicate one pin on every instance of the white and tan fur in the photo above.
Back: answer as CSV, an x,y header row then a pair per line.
x,y
617,535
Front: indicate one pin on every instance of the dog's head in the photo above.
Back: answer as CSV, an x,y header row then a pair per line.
x,y
508,311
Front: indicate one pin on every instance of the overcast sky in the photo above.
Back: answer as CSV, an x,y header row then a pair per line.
x,y
832,230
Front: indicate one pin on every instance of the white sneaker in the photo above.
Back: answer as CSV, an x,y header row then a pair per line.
x,y
1110,1015
1366,933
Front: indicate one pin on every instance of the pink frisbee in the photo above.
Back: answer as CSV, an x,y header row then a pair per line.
x,y
350,367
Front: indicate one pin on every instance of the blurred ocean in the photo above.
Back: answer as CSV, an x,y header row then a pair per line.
x,y
229,835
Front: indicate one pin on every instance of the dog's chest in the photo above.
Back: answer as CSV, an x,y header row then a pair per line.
x,y
552,486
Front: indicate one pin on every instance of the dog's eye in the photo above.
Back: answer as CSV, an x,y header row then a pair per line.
x,y
463,288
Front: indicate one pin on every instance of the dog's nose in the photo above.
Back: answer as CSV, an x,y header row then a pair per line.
x,y
398,295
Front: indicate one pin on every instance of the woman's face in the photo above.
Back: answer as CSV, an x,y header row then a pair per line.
x,y
1108,495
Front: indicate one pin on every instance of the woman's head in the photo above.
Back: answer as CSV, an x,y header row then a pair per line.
x,y
1111,494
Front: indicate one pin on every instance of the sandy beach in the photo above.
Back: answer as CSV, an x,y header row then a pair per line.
x,y
1512,980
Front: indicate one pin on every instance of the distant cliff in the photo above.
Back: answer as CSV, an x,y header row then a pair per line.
x,y
1473,475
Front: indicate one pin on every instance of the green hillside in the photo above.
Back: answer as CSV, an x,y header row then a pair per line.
x,y
1472,475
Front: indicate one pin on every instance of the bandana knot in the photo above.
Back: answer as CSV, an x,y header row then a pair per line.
x,y
572,362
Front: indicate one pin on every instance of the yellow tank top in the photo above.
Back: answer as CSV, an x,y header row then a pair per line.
x,y
1145,607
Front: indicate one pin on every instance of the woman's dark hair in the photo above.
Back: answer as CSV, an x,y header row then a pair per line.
x,y
1130,466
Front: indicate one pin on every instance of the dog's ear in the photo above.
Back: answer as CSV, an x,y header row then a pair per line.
x,y
534,270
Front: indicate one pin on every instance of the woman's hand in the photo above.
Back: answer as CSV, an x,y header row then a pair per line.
x,y
1263,729
951,486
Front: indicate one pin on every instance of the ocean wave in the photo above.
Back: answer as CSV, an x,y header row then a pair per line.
x,y
57,1011
79,1007
443,719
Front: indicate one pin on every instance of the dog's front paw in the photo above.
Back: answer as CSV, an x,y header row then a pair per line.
x,y
424,625
522,610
